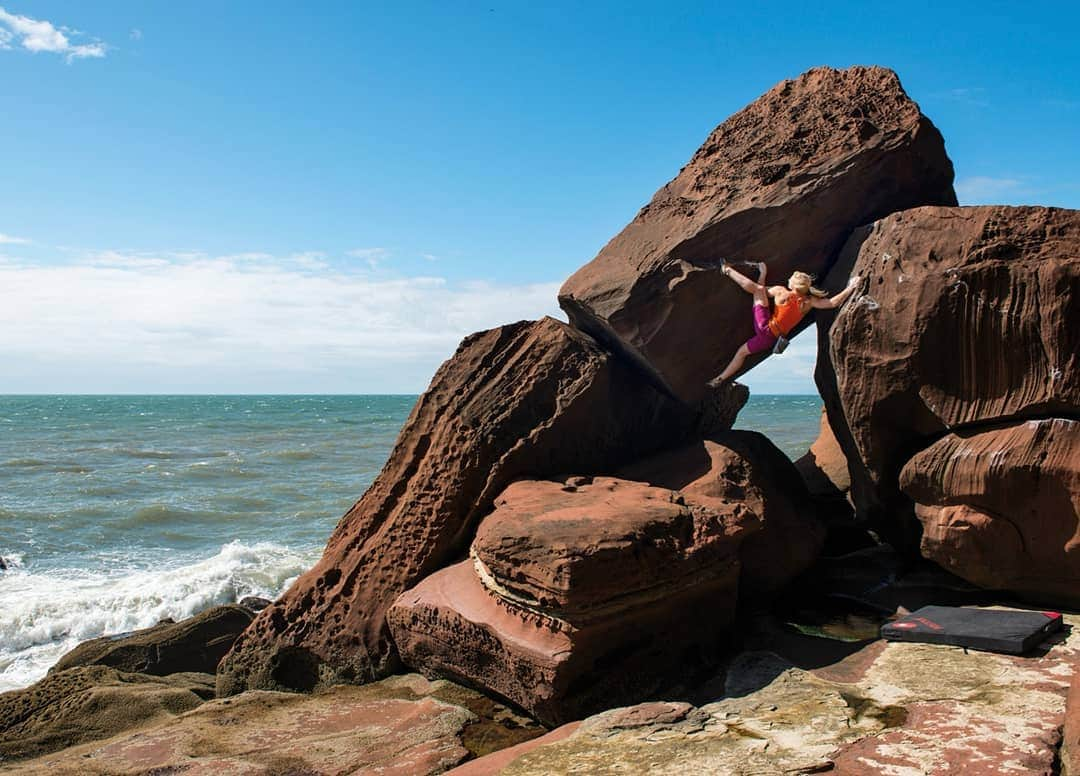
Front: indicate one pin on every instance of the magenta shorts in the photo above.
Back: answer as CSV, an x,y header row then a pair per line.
x,y
763,338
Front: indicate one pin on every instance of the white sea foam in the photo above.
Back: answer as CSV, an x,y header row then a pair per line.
x,y
42,616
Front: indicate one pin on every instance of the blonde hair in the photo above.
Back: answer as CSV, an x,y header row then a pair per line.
x,y
801,283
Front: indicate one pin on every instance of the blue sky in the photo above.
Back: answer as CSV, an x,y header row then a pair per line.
x,y
269,197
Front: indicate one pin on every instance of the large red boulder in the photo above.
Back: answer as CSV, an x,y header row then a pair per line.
x,y
526,399
578,596
582,546
784,180
1001,507
966,318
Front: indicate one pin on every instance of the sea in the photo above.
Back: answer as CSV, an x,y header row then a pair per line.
x,y
119,511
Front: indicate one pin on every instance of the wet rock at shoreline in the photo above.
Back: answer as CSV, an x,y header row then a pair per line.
x,y
784,180
254,603
196,644
527,399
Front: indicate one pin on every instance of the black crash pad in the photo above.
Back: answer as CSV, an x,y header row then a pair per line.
x,y
993,630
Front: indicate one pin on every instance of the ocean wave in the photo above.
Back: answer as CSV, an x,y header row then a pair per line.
x,y
42,616
293,455
134,452
24,463
164,514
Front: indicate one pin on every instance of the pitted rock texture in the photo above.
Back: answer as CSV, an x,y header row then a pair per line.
x,y
527,399
886,709
967,317
402,726
784,180
586,545
91,702
196,644
1001,508
744,477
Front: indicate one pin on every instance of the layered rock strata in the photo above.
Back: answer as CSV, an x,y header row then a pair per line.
x,y
1001,507
784,180
967,318
526,399
578,595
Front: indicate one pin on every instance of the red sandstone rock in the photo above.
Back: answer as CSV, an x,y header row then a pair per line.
x,y
966,317
744,477
1001,508
526,399
577,597
824,468
783,180
589,544
452,625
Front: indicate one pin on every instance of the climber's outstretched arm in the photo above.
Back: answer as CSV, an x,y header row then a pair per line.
x,y
835,301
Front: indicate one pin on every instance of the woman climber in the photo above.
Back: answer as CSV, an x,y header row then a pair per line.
x,y
792,303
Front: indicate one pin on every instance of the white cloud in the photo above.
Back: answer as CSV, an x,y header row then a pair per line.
x,y
7,239
36,35
373,256
984,190
119,322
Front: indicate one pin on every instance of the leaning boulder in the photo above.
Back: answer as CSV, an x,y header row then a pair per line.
x,y
1001,508
196,644
967,317
527,399
578,596
784,180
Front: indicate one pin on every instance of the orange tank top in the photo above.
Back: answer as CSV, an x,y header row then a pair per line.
x,y
786,316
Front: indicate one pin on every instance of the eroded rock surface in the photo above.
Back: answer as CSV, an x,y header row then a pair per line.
x,y
578,596
196,644
886,709
783,180
91,702
967,318
403,726
527,399
1001,507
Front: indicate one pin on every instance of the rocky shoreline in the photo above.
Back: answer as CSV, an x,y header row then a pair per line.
x,y
568,527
